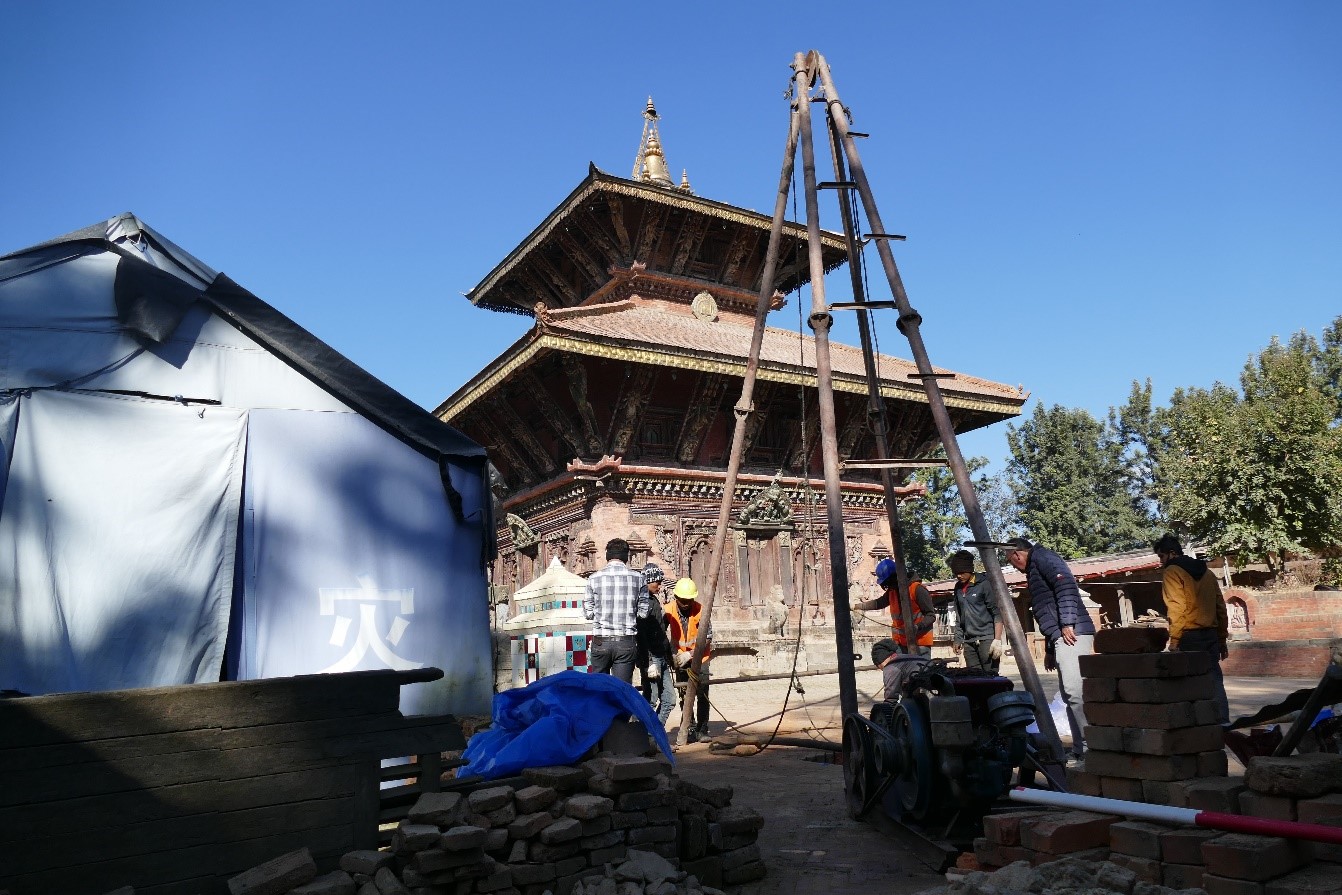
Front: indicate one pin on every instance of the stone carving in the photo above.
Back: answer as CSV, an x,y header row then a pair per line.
x,y
769,508
1239,619
854,551
666,549
577,388
523,536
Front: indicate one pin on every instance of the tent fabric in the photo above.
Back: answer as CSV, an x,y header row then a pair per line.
x,y
354,561
554,721
339,375
117,542
9,422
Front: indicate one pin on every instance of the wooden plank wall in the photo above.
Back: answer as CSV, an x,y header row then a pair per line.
x,y
173,790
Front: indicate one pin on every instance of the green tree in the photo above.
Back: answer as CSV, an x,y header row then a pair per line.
x,y
936,526
1259,476
1070,482
1138,429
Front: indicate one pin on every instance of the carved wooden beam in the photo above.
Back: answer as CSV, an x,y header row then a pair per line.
x,y
519,472
561,424
854,426
590,227
578,253
502,410
810,437
764,392
654,217
633,403
576,374
743,243
703,408
541,288
689,240
615,206
556,279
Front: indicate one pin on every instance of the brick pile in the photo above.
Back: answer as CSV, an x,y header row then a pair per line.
x,y
1151,721
617,823
1039,837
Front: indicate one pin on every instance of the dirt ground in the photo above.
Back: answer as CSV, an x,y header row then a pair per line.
x,y
808,841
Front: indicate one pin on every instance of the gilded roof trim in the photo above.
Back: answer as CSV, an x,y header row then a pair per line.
x,y
686,360
599,181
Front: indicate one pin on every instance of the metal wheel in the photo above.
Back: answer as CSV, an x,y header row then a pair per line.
x,y
916,775
859,769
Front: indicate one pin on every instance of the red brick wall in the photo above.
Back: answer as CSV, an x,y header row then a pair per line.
x,y
1279,658
1291,614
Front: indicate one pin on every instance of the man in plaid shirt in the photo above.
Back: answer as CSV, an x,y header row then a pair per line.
x,y
615,598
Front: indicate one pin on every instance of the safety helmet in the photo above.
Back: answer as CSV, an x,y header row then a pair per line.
x,y
652,572
685,589
885,572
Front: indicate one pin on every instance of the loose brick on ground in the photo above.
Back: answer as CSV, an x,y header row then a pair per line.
x,y
1137,838
1165,792
1213,763
1146,869
1223,885
276,876
1004,828
1303,776
483,801
1081,782
1124,788
1214,794
1182,876
1183,845
1131,640
1320,879
1257,858
1071,831
1255,804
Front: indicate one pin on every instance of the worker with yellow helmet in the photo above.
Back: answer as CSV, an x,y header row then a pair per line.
x,y
682,617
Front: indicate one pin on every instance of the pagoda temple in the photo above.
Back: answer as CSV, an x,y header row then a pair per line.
x,y
612,415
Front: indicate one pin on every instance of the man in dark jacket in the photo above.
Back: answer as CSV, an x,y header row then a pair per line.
x,y
1055,602
654,649
978,630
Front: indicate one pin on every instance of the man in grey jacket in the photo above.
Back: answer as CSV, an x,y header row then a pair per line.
x,y
978,630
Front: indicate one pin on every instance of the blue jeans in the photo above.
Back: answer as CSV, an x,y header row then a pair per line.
x,y
662,687
612,655
1208,640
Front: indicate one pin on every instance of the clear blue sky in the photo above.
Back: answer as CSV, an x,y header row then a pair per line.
x,y
1093,192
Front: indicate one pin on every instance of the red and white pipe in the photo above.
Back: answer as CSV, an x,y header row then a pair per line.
x,y
1212,820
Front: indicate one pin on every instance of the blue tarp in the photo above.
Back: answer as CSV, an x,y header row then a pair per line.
x,y
554,721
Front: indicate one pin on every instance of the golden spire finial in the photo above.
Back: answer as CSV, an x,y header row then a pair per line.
x,y
650,163
685,180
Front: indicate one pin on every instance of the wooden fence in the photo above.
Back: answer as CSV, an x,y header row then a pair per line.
x,y
172,790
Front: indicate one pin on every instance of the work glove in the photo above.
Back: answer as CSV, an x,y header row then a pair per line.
x,y
683,660
1050,660
855,607
958,647
996,649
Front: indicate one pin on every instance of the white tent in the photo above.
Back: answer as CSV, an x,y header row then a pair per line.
x,y
194,487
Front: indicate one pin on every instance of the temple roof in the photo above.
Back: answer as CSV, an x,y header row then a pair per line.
x,y
609,223
670,334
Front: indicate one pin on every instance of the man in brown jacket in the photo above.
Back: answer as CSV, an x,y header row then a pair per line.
x,y
1198,620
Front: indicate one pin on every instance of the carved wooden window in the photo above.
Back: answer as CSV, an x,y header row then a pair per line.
x,y
774,439
657,434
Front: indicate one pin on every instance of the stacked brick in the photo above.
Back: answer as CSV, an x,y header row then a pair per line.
x,y
1042,836
1151,720
613,820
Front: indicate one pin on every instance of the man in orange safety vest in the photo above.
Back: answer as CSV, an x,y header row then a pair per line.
x,y
924,614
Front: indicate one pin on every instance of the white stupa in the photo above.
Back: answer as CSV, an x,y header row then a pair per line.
x,y
548,631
